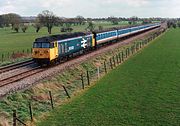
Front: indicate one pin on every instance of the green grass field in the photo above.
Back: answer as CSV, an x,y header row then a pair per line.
x,y
11,41
142,91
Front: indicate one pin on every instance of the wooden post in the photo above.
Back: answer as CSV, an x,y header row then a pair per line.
x,y
88,77
82,81
119,57
8,56
105,69
114,61
98,72
14,118
126,53
137,47
50,96
2,57
132,51
122,56
66,91
30,111
111,63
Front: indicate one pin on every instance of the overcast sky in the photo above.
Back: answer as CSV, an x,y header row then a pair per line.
x,y
94,8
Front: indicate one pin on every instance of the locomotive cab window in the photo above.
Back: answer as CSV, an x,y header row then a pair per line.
x,y
37,45
41,45
45,45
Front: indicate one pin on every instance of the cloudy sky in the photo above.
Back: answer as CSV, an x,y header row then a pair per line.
x,y
94,8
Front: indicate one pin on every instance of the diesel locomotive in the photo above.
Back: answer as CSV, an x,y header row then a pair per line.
x,y
54,48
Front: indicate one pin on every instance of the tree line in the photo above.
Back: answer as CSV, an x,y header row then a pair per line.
x,y
48,19
44,19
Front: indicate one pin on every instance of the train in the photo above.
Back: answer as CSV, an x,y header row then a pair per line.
x,y
55,48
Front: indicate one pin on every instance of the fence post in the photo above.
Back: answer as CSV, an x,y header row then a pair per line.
x,y
88,77
117,59
30,111
105,69
122,56
114,61
98,72
137,47
111,63
50,96
27,51
132,51
66,91
126,53
8,56
82,81
14,118
2,57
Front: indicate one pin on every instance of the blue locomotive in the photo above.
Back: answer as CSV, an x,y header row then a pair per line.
x,y
56,47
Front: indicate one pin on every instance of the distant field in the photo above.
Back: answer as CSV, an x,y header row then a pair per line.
x,y
142,91
11,41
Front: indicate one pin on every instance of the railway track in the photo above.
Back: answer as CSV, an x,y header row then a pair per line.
x,y
20,76
35,70
15,66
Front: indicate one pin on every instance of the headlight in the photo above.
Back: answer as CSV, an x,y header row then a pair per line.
x,y
47,51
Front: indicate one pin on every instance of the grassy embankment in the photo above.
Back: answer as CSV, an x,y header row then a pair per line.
x,y
144,90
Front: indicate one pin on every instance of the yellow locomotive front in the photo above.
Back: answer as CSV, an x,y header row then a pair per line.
x,y
44,52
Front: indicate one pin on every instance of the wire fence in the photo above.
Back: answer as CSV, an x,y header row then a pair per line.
x,y
14,55
83,80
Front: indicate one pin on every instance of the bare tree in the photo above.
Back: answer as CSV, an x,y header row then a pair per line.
x,y
178,24
114,20
134,19
100,27
24,27
91,26
16,27
1,21
48,19
37,25
80,19
13,19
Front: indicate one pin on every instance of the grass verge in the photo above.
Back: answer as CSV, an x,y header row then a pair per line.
x,y
142,91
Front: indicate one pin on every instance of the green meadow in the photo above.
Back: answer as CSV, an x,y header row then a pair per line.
x,y
143,91
11,41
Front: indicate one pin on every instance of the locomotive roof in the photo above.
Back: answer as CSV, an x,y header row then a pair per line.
x,y
59,37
